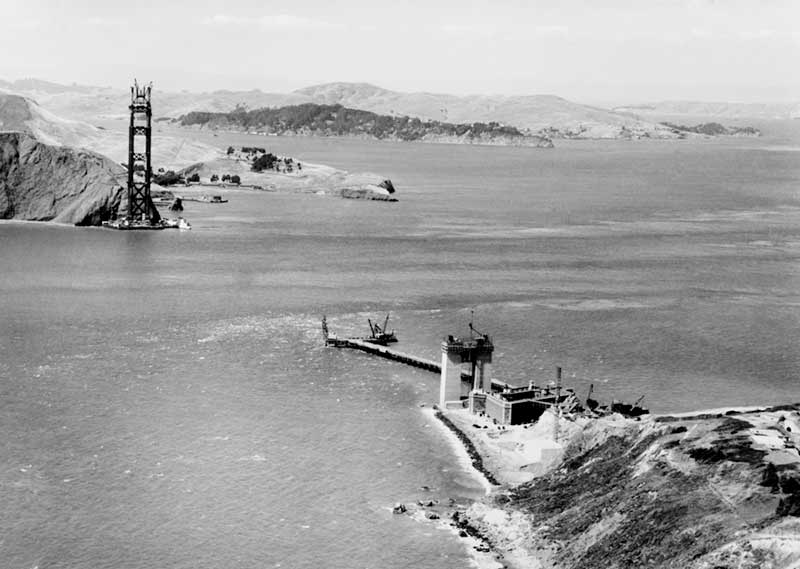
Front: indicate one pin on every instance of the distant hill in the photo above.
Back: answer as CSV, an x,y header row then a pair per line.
x,y
547,115
22,114
541,114
335,120
40,85
715,129
721,110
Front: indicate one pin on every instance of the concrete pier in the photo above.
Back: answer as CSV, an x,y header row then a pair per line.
x,y
456,352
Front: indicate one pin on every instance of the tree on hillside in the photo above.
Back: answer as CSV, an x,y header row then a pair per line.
x,y
230,150
194,177
264,162
168,178
235,179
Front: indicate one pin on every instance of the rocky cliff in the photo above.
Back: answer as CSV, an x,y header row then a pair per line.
x,y
42,182
717,491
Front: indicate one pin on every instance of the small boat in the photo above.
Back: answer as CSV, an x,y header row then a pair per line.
x,y
213,199
179,223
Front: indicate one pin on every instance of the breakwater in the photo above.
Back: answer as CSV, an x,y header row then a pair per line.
x,y
474,455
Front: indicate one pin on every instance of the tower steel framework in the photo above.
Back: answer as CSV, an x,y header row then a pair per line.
x,y
140,206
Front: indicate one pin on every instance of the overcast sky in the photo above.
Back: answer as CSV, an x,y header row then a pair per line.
x,y
588,51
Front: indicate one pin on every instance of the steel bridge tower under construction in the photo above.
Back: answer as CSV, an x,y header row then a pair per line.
x,y
140,206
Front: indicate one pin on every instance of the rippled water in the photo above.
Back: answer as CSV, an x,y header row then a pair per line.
x,y
166,401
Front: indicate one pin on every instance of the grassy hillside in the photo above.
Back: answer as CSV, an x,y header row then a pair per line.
x,y
537,114
336,120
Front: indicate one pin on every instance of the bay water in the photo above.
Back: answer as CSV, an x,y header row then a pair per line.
x,y
166,400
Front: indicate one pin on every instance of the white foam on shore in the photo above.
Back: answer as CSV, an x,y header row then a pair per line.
x,y
460,450
716,411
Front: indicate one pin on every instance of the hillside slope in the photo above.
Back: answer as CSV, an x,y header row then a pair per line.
x,y
714,491
546,114
23,114
42,182
335,120
721,110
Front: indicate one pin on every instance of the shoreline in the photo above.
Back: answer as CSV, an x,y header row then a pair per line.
x,y
484,548
500,532
476,460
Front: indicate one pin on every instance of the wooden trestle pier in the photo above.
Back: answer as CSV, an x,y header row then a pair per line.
x,y
382,351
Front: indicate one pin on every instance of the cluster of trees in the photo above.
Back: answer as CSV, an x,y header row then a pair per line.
x,y
244,149
264,162
168,178
226,178
331,120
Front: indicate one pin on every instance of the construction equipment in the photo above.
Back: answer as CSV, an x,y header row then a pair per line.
x,y
591,404
379,335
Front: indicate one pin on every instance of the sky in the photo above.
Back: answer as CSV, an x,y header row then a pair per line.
x,y
621,51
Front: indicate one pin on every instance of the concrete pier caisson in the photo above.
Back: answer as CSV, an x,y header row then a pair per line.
x,y
477,352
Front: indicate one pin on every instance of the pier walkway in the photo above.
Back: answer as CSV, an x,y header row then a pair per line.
x,y
398,356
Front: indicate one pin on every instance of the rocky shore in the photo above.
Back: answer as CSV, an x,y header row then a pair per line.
x,y
42,182
711,490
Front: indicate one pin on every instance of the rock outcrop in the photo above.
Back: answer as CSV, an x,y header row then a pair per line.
x,y
361,187
41,182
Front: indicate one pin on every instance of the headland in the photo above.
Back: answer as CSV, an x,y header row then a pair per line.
x,y
718,489
577,487
67,171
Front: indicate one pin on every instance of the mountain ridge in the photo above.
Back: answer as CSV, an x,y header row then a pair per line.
x,y
546,114
549,115
312,119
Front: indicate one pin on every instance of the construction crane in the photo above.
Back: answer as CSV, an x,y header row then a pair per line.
x,y
379,335
591,404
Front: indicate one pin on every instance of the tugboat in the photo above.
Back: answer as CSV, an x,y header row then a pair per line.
x,y
380,335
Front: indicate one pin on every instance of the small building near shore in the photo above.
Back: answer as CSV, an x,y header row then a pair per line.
x,y
519,405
